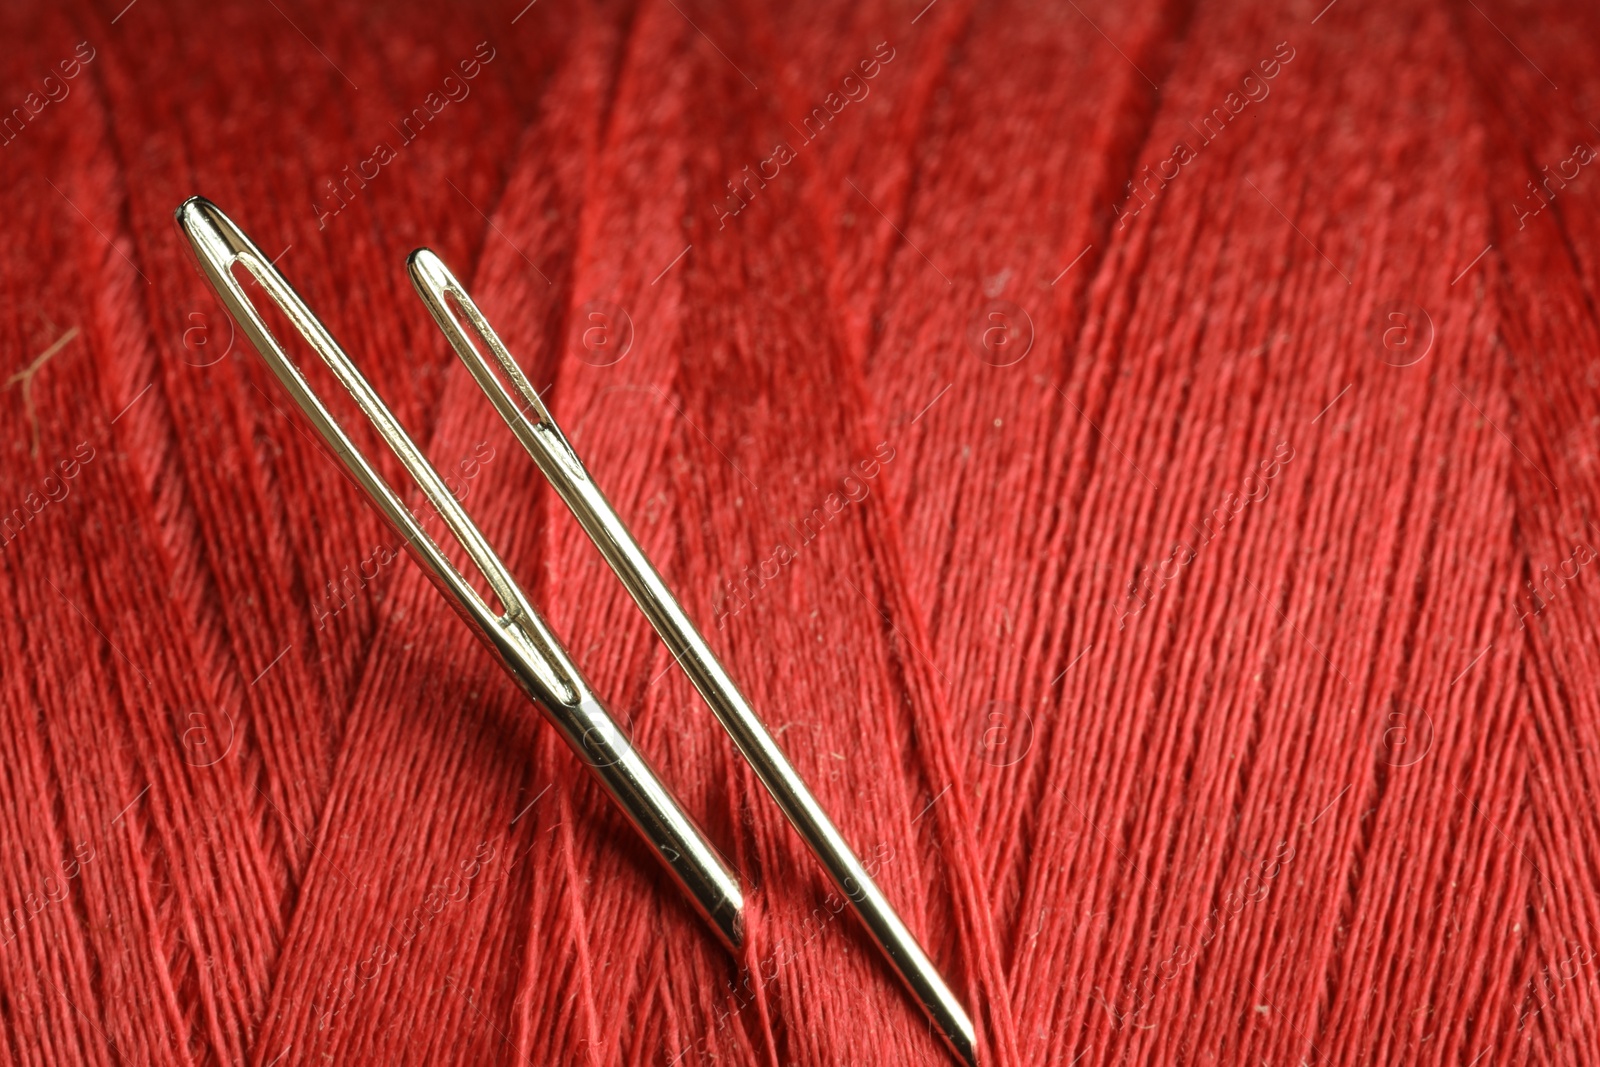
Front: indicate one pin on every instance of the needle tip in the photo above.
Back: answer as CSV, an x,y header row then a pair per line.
x,y
964,1049
956,1029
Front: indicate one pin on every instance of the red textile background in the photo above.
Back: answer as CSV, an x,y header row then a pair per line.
x,y
1170,564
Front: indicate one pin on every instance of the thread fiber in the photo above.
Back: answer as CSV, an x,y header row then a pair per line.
x,y
1139,458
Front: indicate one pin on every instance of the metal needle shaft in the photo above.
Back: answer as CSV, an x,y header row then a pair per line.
x,y
518,635
533,426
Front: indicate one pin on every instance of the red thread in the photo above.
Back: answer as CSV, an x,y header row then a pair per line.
x,y
949,394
